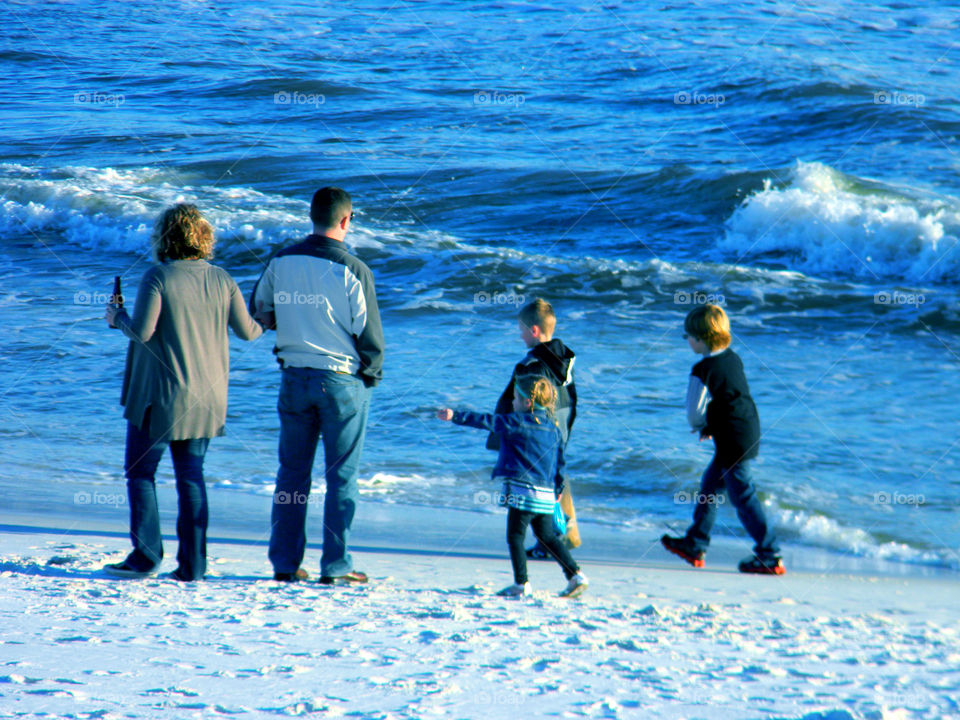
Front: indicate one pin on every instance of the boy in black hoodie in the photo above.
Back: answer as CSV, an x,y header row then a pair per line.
x,y
547,357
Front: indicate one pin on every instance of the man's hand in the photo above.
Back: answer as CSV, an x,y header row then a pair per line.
x,y
267,318
111,314
445,414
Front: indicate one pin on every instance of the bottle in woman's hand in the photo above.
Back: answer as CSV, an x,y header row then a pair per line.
x,y
116,300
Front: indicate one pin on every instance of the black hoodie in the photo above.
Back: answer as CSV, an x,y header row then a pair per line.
x,y
554,361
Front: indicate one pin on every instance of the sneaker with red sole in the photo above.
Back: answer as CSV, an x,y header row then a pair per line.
x,y
755,566
682,547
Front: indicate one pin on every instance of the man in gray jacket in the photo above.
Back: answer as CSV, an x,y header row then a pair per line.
x,y
321,301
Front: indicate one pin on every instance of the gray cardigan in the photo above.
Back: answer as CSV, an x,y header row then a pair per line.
x,y
178,360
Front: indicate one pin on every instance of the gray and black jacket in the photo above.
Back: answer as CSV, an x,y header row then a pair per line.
x,y
326,309
719,404
554,361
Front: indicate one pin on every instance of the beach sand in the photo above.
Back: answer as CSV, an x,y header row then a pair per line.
x,y
427,637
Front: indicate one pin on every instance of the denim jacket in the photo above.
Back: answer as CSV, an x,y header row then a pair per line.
x,y
530,463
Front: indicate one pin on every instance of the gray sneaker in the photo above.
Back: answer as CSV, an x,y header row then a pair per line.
x,y
515,590
575,587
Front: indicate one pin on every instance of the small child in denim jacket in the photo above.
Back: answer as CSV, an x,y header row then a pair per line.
x,y
530,466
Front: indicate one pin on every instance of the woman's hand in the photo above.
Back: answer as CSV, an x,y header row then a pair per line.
x,y
111,314
445,414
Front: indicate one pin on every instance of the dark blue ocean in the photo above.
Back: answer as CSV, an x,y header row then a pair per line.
x,y
799,164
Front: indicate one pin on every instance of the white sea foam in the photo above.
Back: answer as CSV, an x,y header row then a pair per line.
x,y
115,209
821,531
828,223
382,483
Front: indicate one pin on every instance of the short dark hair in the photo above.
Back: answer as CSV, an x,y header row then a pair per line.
x,y
329,206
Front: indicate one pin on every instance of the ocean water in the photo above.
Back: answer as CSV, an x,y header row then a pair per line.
x,y
625,160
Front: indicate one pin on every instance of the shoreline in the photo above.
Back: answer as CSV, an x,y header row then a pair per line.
x,y
385,527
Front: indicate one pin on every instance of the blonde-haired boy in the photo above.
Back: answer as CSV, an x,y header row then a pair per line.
x,y
719,406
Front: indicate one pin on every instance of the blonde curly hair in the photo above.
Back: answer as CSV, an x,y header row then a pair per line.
x,y
539,391
182,233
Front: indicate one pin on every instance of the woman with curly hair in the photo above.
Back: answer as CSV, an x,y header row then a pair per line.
x,y
175,385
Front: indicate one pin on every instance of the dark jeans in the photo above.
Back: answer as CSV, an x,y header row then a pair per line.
x,y
542,523
140,466
739,486
315,405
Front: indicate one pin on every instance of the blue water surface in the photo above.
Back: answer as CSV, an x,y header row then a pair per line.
x,y
624,160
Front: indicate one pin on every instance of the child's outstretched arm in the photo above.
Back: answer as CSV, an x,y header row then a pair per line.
x,y
493,422
483,421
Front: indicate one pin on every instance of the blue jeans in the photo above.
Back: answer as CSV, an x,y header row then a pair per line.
x,y
739,485
317,404
140,466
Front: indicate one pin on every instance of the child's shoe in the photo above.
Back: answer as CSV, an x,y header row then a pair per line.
x,y
575,587
684,548
515,590
756,566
